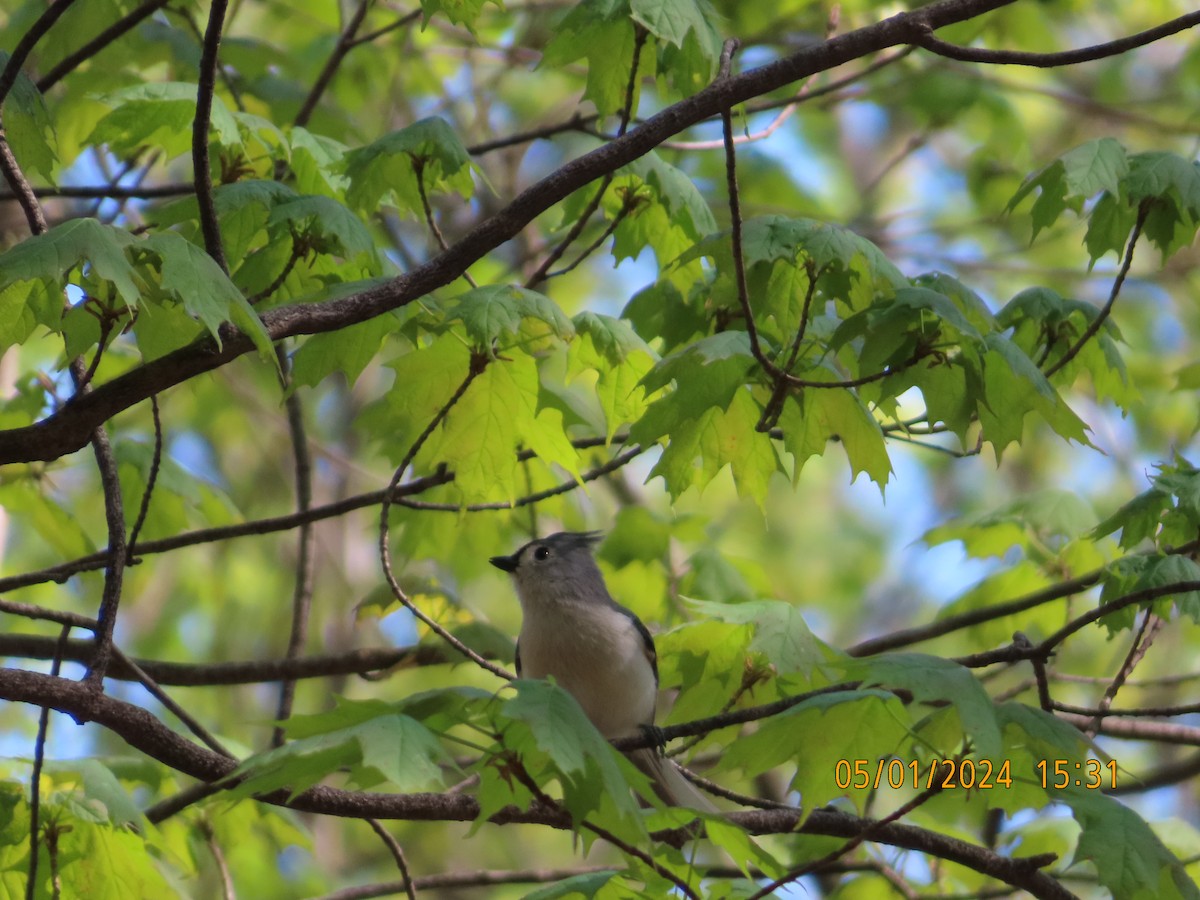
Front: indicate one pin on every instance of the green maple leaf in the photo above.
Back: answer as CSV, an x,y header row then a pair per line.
x,y
159,115
933,679
388,167
192,277
812,418
496,417
1130,859
494,314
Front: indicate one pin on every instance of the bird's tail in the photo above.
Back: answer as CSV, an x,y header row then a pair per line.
x,y
670,785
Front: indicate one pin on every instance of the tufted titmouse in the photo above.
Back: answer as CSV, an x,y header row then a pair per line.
x,y
595,649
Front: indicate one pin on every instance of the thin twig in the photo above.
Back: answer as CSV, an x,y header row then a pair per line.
x,y
627,206
35,783
152,687
177,803
360,661
39,613
735,231
462,879
294,257
774,406
419,171
117,555
218,855
618,461
61,572
1151,624
479,362
118,28
518,770
539,275
782,116
908,636
29,40
577,122
151,477
106,326
110,191
1038,661
1046,647
397,854
404,20
210,226
306,545
1101,317
345,44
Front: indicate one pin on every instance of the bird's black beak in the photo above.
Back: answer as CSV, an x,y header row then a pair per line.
x,y
507,563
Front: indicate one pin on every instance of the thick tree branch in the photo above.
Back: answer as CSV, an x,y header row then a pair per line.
x,y
144,732
68,429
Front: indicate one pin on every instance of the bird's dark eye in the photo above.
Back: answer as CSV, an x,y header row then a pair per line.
x,y
541,553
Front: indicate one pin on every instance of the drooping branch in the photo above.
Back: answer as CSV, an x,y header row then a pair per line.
x,y
1064,58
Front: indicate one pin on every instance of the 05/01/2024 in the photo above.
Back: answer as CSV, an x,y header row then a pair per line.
x,y
982,774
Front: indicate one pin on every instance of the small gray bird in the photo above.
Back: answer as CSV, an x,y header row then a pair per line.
x,y
596,649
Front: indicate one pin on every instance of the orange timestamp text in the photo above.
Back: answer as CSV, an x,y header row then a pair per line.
x,y
969,774
982,774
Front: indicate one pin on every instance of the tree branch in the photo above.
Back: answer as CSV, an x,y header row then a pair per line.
x,y
29,40
144,732
123,25
1064,58
1101,317
478,363
209,224
68,429
302,591
61,572
345,44
177,674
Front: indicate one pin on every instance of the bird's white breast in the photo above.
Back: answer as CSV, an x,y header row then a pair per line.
x,y
595,653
